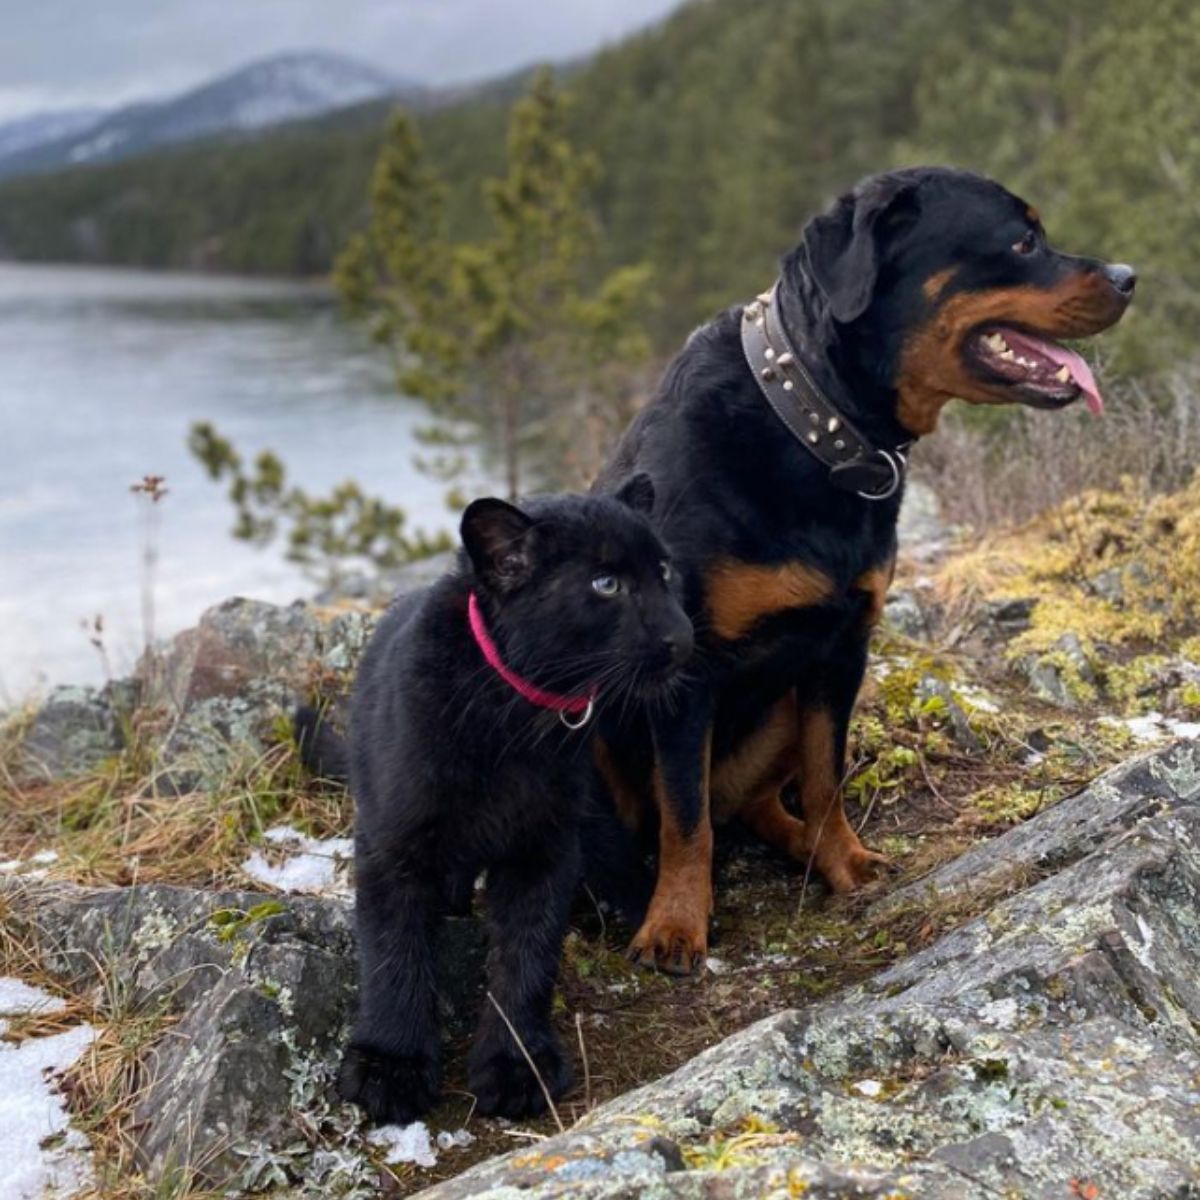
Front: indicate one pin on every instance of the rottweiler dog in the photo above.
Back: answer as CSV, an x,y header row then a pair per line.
x,y
776,444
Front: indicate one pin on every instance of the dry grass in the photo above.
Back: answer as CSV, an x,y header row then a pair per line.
x,y
114,826
1032,461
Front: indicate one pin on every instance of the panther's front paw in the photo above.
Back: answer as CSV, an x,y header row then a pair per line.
x,y
393,1088
503,1084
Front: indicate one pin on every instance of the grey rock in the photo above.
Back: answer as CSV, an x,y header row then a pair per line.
x,y
76,729
1057,1037
1111,584
904,614
1049,675
930,687
224,687
1070,645
344,639
1007,618
237,644
265,985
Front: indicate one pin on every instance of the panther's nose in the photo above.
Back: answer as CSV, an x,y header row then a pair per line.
x,y
1122,276
677,647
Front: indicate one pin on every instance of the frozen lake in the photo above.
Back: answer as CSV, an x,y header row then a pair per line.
x,y
102,372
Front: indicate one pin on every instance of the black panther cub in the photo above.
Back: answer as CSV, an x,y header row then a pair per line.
x,y
468,752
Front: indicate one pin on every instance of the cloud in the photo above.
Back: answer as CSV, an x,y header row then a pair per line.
x,y
69,53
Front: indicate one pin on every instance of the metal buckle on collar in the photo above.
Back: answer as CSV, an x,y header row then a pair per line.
x,y
852,476
584,717
890,457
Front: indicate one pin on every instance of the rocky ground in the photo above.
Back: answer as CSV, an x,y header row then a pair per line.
x,y
1013,1013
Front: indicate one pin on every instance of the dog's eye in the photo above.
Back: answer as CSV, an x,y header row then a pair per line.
x,y
1027,245
606,585
664,569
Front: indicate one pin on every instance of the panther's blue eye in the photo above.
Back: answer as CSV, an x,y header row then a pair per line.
x,y
665,570
606,585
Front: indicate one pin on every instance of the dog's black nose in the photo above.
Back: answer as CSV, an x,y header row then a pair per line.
x,y
1122,276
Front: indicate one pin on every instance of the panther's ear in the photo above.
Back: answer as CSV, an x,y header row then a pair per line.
x,y
843,243
638,493
497,540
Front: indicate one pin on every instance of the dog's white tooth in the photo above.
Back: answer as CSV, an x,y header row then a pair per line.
x,y
1008,355
994,341
1063,374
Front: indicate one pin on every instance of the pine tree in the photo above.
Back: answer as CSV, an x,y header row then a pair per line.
x,y
501,332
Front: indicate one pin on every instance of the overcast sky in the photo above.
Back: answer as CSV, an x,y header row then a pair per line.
x,y
63,53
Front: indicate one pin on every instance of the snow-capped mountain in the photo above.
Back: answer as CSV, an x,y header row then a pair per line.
x,y
22,133
287,87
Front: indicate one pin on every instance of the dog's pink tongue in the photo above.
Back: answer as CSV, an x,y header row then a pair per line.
x,y
1081,373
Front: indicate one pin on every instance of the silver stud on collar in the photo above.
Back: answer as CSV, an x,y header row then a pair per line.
x,y
768,373
814,437
834,425
753,311
786,359
764,298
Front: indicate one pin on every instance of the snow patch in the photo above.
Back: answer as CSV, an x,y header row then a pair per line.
x,y
30,868
451,1141
1154,727
19,999
405,1144
298,863
977,698
42,1155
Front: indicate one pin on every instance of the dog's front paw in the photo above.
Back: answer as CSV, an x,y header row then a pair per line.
x,y
393,1088
676,943
503,1084
844,861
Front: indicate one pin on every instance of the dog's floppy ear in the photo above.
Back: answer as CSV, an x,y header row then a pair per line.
x,y
638,493
843,243
497,540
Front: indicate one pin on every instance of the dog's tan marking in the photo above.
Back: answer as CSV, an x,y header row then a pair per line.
x,y
674,935
936,283
760,765
932,371
768,818
742,594
836,850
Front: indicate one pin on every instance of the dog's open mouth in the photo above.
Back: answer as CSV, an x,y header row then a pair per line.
x,y
1040,373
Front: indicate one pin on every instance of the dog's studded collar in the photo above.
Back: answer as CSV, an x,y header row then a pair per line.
x,y
581,707
855,465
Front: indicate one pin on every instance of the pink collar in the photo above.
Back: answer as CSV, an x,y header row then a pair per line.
x,y
571,705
